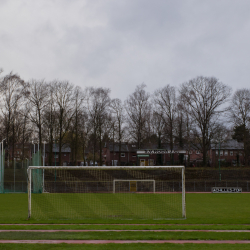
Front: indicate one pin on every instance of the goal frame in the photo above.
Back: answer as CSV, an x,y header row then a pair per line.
x,y
30,168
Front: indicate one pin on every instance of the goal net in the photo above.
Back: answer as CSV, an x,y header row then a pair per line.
x,y
115,192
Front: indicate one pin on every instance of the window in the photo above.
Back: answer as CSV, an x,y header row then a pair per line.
x,y
65,155
216,152
231,153
197,152
226,152
56,156
122,154
133,155
221,152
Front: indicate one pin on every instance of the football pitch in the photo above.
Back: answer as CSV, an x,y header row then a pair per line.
x,y
218,217
106,205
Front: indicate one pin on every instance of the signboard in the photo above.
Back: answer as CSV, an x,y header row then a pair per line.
x,y
160,151
226,190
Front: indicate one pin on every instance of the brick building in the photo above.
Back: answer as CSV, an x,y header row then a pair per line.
x,y
128,155
229,152
26,150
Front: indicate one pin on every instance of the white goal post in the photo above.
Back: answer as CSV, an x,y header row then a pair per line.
x,y
161,192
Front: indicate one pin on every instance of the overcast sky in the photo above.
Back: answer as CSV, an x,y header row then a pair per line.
x,y
119,44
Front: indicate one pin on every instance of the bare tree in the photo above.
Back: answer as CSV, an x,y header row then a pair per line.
x,y
165,105
239,114
158,126
118,112
64,108
13,91
38,102
98,104
77,123
138,107
203,98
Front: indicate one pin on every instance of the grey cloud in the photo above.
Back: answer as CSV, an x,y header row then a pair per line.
x,y
119,44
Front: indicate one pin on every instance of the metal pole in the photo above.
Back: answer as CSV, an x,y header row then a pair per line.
x,y
34,147
55,159
183,194
2,165
14,175
1,172
219,161
43,153
29,192
43,163
55,152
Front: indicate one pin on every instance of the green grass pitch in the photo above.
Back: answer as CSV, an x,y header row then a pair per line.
x,y
201,208
106,205
204,211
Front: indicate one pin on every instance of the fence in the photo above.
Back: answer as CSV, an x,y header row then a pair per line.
x,y
15,177
197,179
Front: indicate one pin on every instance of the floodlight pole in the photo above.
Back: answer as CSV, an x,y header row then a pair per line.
x,y
43,162
34,147
1,174
2,167
29,192
219,161
55,159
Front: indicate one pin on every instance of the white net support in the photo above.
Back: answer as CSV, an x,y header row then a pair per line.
x,y
85,192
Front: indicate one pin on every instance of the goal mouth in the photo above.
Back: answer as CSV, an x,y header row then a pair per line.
x,y
109,192
133,186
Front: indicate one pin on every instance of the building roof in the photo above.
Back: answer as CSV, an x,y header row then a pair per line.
x,y
115,147
132,147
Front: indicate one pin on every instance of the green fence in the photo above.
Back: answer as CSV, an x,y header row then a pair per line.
x,y
13,175
37,174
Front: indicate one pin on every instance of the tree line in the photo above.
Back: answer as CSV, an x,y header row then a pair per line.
x,y
198,113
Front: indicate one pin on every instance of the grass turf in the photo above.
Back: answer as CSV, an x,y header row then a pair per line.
x,y
103,205
222,211
201,209
127,235
124,227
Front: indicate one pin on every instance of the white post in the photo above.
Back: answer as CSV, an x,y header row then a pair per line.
x,y
2,163
34,148
29,193
1,171
183,194
43,162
